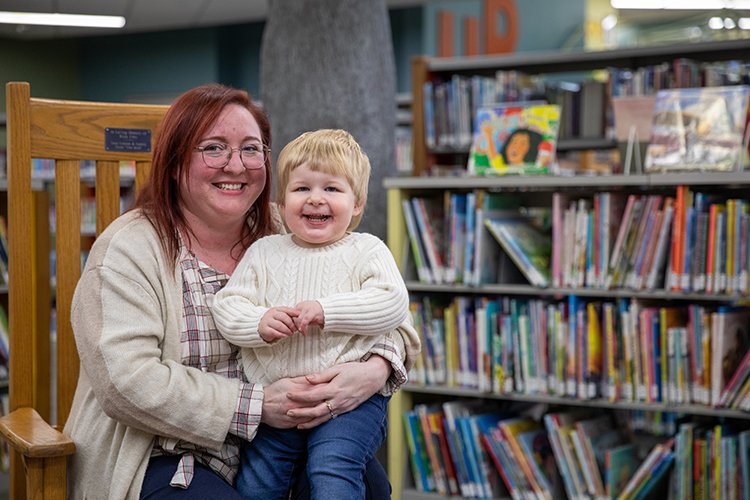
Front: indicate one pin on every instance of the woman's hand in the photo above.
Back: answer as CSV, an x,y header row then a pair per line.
x,y
277,405
337,390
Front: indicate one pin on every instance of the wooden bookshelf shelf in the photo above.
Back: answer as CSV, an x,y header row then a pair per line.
x,y
589,403
645,181
513,289
576,60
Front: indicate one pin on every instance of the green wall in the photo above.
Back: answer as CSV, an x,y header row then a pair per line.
x,y
155,67
406,30
52,67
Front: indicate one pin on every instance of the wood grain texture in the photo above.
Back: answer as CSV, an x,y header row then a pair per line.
x,y
68,132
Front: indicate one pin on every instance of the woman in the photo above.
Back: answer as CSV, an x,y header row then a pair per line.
x,y
161,406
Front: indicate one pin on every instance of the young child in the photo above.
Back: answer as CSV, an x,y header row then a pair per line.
x,y
311,299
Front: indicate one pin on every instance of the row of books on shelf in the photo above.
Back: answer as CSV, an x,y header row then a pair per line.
x,y
450,243
4,251
4,346
586,349
693,128
88,211
681,72
4,449
471,449
685,241
404,155
451,105
689,242
44,169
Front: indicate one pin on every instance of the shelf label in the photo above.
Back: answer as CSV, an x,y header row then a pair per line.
x,y
127,140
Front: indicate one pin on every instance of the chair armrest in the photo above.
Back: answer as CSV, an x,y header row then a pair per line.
x,y
28,433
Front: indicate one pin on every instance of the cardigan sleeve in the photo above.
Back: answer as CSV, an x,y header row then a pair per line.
x,y
126,327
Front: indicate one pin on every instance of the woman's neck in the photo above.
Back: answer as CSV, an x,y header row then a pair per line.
x,y
215,246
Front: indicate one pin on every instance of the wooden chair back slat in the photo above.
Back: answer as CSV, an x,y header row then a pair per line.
x,y
142,168
69,133
20,241
68,258
107,193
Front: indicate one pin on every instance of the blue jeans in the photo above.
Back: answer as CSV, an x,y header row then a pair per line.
x,y
336,452
208,484
205,484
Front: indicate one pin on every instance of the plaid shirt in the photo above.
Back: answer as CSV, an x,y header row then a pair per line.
x,y
204,348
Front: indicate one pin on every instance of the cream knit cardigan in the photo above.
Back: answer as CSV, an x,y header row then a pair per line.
x,y
126,317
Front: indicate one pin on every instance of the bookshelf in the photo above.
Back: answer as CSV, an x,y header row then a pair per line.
x,y
539,191
551,65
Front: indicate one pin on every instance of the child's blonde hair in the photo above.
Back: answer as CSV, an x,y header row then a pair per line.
x,y
332,151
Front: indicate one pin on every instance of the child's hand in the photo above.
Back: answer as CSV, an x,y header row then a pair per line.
x,y
277,323
310,313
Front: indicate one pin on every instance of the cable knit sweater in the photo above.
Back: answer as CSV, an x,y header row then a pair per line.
x,y
356,281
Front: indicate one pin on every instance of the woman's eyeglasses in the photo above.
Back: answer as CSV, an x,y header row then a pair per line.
x,y
217,155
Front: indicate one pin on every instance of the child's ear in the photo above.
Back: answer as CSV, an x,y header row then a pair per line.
x,y
358,209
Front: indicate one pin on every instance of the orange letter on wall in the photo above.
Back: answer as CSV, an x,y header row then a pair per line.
x,y
471,36
445,34
500,41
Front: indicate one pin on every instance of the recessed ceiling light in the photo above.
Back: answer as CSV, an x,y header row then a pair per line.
x,y
680,4
81,20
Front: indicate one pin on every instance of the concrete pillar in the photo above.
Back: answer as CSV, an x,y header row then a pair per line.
x,y
330,64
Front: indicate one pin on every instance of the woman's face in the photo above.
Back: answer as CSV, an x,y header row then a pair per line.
x,y
518,146
222,196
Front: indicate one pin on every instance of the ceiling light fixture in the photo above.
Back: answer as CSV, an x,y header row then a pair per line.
x,y
727,23
680,4
81,20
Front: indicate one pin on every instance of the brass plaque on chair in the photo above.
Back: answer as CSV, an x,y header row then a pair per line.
x,y
127,140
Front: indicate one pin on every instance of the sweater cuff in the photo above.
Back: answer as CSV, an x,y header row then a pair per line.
x,y
391,353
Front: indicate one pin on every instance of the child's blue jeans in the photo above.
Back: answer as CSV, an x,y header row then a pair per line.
x,y
336,453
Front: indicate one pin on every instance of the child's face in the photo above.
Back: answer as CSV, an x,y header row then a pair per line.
x,y
319,207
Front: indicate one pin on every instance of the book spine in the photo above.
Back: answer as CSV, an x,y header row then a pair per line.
x,y
418,253
620,240
428,239
675,271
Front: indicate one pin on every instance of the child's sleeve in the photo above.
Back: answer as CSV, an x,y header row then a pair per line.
x,y
382,303
236,308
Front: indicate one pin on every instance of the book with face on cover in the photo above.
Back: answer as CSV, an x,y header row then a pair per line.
x,y
698,129
514,138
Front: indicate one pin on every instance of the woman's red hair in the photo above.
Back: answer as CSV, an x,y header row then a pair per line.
x,y
184,124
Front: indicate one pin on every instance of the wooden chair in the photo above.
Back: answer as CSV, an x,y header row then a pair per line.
x,y
66,132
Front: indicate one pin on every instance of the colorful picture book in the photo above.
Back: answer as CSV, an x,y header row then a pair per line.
x,y
514,138
698,129
528,247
